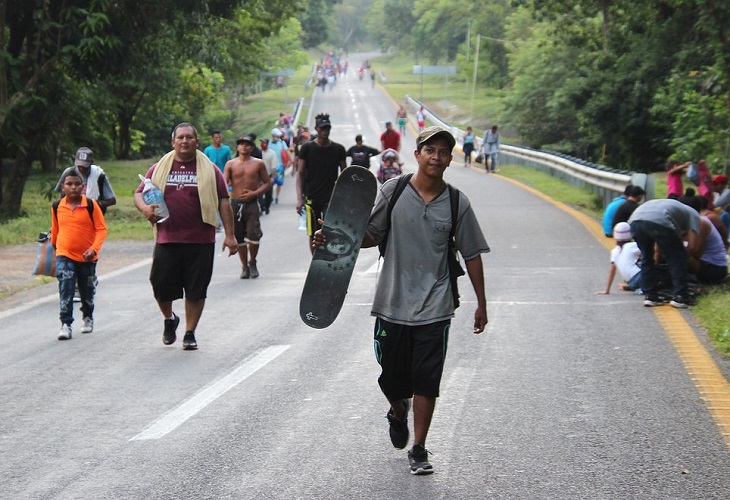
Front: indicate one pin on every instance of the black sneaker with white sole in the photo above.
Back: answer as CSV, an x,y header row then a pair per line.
x,y
189,342
418,460
399,428
169,336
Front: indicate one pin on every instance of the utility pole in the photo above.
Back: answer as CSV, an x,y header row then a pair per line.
x,y
474,78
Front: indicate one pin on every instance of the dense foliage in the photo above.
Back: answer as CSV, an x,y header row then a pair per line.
x,y
624,82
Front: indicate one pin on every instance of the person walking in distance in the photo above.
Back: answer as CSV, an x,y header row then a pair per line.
x,y
217,152
270,162
490,145
78,230
320,163
421,119
182,264
248,179
402,118
390,139
360,153
96,184
469,139
413,303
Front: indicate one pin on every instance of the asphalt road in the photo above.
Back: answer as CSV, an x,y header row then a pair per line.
x,y
566,394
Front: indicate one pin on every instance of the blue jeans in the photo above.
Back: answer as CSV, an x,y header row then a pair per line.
x,y
646,234
493,163
69,273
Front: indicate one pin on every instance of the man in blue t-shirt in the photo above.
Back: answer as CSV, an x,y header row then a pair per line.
x,y
218,153
608,214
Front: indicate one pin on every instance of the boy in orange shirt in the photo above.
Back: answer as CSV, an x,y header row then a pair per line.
x,y
77,233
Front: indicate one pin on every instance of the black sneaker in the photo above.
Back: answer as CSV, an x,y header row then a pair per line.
x,y
399,428
654,300
682,302
189,342
254,270
169,336
418,458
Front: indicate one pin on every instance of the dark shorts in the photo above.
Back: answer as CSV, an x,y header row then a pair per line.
x,y
411,358
710,273
246,221
181,267
315,210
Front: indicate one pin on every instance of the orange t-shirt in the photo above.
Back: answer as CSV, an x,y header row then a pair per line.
x,y
73,233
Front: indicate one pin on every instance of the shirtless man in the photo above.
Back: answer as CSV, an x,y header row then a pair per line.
x,y
248,179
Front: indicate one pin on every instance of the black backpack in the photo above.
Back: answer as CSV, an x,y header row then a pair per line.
x,y
89,207
455,269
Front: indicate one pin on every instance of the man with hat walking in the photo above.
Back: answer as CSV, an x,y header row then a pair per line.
x,y
278,146
96,183
320,163
248,179
413,303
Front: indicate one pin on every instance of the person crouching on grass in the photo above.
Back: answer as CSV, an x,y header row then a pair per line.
x,y
78,230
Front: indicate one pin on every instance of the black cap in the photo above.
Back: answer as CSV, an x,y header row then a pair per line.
x,y
246,138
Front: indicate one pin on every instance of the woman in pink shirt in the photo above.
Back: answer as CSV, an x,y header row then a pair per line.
x,y
675,171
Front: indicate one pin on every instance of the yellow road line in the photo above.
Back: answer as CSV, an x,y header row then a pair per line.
x,y
702,369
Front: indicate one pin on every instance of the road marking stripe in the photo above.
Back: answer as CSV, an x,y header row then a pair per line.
x,y
176,417
710,382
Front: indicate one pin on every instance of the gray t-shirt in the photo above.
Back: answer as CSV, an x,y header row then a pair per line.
x,y
668,213
413,286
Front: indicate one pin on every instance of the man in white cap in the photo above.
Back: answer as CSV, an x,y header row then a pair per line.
x,y
278,146
96,183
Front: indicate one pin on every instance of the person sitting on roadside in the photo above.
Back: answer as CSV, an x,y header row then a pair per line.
x,y
610,211
708,258
625,258
624,211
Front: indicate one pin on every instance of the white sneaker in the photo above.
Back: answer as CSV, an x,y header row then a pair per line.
x,y
65,333
88,326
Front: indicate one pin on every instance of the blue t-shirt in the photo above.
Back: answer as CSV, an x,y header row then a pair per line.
x,y
219,156
609,213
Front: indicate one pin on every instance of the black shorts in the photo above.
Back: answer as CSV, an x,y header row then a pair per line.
x,y
246,221
181,267
315,210
411,358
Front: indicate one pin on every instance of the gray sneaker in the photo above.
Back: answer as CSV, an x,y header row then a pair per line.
x,y
66,332
88,325
252,269
245,273
418,459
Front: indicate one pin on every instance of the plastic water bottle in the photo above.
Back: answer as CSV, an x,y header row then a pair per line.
x,y
303,220
152,195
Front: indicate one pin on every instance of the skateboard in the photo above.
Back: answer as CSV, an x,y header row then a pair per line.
x,y
332,264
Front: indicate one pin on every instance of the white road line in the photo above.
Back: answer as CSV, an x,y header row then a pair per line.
x,y
176,417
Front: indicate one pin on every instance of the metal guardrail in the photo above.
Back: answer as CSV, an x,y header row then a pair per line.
x,y
606,182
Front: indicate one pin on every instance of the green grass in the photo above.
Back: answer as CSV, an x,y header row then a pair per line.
x,y
581,198
451,98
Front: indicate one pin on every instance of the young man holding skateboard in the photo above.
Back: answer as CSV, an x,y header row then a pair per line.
x,y
413,302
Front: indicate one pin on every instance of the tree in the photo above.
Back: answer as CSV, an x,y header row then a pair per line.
x,y
42,42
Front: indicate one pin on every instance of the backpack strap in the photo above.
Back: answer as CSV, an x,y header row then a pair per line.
x,y
89,208
400,185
